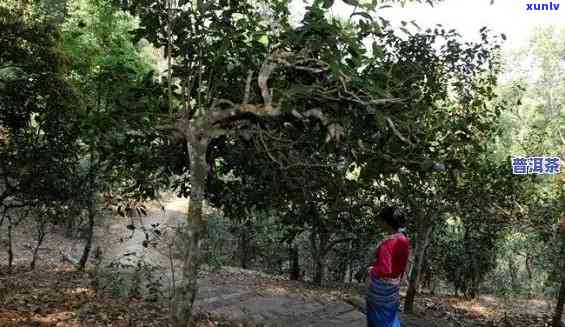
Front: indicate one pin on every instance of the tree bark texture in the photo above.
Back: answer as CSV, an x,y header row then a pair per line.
x,y
294,262
89,237
40,237
10,250
319,251
423,239
244,246
190,240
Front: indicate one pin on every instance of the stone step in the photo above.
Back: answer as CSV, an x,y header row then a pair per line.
x,y
327,312
223,297
224,300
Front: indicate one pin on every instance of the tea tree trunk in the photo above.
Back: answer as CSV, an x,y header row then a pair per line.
x,y
423,240
192,235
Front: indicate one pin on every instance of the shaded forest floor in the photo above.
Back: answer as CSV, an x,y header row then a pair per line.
x,y
60,296
57,295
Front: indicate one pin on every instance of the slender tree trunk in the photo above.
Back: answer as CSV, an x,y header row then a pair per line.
x,y
473,291
91,206
10,250
529,267
558,315
294,262
513,278
349,265
350,271
319,254
423,240
426,276
433,287
244,247
193,232
40,238
530,274
318,271
89,237
315,256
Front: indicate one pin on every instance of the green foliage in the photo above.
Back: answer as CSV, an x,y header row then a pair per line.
x,y
37,116
218,240
116,80
532,127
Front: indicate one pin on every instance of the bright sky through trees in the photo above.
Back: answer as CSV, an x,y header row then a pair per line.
x,y
467,16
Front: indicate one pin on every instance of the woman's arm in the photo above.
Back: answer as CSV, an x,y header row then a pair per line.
x,y
383,267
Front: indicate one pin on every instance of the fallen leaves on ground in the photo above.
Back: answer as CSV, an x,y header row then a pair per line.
x,y
55,295
64,297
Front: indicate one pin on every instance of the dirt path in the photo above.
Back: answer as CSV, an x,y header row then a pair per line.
x,y
231,294
245,296
127,245
239,295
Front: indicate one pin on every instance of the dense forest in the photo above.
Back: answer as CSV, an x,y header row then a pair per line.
x,y
157,154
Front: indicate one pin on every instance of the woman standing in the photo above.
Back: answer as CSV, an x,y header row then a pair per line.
x,y
383,297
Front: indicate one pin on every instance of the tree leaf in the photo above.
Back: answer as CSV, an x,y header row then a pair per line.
x,y
328,3
384,22
363,14
352,2
264,39
405,30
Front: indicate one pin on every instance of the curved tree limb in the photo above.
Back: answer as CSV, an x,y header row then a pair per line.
x,y
247,87
397,132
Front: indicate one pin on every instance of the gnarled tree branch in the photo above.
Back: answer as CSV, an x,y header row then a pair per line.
x,y
247,87
397,132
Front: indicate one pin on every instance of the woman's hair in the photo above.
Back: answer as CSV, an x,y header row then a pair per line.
x,y
393,216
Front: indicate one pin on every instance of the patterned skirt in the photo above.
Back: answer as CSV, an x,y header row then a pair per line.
x,y
383,304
